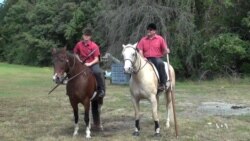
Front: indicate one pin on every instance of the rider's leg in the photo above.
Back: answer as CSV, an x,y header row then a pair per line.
x,y
100,79
160,66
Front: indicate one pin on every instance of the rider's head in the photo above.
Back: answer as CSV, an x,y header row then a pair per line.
x,y
87,33
151,28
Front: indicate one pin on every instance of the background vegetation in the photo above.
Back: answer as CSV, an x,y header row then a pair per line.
x,y
206,37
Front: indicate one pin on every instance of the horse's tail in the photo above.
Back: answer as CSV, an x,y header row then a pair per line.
x,y
172,76
168,96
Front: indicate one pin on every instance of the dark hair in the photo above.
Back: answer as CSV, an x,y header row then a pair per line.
x,y
151,26
87,32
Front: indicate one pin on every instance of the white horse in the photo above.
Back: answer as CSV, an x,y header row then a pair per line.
x,y
144,83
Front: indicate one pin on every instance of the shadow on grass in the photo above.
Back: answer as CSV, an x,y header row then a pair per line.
x,y
111,127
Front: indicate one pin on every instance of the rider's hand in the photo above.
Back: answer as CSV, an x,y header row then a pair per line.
x,y
88,64
168,50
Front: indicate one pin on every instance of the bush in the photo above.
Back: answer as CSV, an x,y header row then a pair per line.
x,y
224,52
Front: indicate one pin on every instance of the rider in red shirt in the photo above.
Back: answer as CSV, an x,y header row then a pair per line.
x,y
154,47
83,49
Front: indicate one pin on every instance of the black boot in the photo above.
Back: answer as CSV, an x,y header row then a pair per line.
x,y
161,87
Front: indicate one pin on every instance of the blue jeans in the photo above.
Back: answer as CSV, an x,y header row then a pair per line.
x,y
98,73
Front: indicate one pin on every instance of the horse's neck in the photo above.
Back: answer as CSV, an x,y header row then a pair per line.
x,y
140,63
74,64
146,74
139,60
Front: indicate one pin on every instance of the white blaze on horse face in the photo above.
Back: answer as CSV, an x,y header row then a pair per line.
x,y
128,59
128,66
54,76
128,53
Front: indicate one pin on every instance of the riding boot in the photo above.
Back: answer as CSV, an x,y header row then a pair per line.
x,y
161,87
100,85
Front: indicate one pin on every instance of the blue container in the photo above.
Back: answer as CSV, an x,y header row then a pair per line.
x,y
117,74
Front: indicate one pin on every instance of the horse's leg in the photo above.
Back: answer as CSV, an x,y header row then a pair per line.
x,y
168,107
153,101
76,116
87,118
137,110
157,98
96,112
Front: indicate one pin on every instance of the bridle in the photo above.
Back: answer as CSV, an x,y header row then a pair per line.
x,y
133,62
71,68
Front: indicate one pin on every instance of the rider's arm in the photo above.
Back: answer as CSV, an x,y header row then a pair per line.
x,y
140,51
77,56
96,60
164,46
166,51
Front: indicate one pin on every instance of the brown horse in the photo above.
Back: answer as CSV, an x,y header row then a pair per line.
x,y
81,87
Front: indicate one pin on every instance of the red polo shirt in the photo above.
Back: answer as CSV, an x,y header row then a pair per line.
x,y
84,49
154,47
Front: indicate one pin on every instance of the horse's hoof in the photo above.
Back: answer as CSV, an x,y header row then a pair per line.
x,y
88,137
167,125
75,134
97,128
157,135
136,134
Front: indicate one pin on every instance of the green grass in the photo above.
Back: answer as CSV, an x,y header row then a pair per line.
x,y
27,112
18,80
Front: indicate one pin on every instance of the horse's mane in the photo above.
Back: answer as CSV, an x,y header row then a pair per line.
x,y
72,55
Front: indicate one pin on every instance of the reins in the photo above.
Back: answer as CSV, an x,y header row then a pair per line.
x,y
71,69
65,77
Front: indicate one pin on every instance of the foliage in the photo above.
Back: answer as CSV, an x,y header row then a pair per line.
x,y
196,30
223,52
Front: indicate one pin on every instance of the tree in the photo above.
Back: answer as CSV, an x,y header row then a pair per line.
x,y
124,22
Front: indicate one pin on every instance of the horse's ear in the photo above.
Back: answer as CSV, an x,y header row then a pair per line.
x,y
135,45
64,48
123,46
53,50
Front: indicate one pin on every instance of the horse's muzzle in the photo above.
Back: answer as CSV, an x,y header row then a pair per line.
x,y
128,70
57,79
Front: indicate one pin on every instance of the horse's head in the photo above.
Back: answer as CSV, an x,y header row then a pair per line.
x,y
60,63
129,54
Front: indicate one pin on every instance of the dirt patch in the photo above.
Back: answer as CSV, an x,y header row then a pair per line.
x,y
223,109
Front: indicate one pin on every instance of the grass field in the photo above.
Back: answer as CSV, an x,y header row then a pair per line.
x,y
27,112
